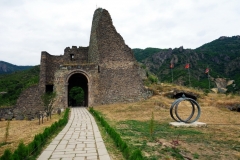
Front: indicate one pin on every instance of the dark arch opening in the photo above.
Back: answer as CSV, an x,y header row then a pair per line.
x,y
78,80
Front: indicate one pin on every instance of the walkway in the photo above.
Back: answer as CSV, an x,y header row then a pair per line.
x,y
79,140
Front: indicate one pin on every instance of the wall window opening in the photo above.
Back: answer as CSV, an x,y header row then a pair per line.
x,y
98,69
71,57
49,88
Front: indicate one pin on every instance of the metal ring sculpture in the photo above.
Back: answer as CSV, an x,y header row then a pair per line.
x,y
175,108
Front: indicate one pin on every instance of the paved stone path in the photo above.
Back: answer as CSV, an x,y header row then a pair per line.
x,y
79,140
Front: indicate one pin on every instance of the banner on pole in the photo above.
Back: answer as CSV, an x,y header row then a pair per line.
x,y
187,66
207,70
171,65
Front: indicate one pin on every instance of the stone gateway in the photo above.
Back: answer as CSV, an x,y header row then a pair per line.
x,y
106,70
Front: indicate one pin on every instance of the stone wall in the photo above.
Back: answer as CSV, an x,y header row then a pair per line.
x,y
111,45
120,79
49,65
93,53
29,102
6,113
120,85
53,63
80,55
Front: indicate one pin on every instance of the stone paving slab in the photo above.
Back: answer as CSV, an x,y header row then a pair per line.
x,y
79,140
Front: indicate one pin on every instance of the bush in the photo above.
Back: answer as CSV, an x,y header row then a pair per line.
x,y
136,155
124,148
21,151
7,155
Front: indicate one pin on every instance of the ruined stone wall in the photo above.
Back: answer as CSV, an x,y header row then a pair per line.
x,y
111,45
29,102
43,71
120,79
80,55
6,113
49,65
53,64
93,52
121,85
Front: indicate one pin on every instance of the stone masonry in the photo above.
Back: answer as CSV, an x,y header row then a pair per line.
x,y
106,70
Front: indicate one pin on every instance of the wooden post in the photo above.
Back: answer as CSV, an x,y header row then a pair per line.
x,y
189,77
39,117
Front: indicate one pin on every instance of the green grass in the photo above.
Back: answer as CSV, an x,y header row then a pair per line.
x,y
167,141
137,134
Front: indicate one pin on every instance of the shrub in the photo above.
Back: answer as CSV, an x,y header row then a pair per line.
x,y
21,151
136,155
7,155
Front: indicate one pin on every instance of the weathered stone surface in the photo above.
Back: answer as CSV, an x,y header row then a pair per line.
x,y
221,84
179,93
107,67
6,113
8,117
29,102
19,117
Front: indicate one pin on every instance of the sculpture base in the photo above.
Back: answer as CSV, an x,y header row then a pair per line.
x,y
182,124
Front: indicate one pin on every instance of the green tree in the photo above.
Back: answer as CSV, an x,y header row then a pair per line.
x,y
76,94
48,100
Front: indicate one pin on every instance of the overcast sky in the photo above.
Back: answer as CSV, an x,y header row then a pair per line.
x,y
28,27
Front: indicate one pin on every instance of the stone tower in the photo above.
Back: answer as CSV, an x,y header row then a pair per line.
x,y
106,70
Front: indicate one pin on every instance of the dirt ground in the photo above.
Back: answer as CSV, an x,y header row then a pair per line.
x,y
22,130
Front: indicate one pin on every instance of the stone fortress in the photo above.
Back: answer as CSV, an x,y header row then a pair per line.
x,y
106,70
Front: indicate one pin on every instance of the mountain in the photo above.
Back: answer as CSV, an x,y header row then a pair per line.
x,y
221,56
11,85
6,67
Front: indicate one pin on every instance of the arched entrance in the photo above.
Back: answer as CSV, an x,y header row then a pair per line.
x,y
76,81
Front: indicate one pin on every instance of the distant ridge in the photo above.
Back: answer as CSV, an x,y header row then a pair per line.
x,y
221,56
6,68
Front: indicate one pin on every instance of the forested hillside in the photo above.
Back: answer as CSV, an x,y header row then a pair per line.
x,y
221,56
11,85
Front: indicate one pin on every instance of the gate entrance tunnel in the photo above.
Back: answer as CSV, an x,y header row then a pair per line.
x,y
78,90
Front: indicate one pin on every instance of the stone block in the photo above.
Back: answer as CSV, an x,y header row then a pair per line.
x,y
8,117
19,117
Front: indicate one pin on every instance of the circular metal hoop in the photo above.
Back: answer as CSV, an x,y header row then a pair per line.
x,y
194,104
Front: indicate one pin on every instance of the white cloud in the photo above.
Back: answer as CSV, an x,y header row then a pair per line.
x,y
29,27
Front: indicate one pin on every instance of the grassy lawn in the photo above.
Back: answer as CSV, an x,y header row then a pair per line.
x,y
219,140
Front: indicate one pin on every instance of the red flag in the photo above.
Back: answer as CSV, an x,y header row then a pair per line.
x,y
171,65
187,66
207,70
